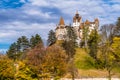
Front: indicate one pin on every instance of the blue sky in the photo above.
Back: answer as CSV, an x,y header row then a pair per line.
x,y
28,17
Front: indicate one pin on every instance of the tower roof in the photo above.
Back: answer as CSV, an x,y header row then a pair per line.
x,y
96,19
61,21
87,22
77,12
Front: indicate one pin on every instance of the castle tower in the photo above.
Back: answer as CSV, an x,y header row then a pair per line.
x,y
77,20
96,23
61,31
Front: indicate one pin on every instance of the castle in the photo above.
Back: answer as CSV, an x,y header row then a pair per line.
x,y
78,26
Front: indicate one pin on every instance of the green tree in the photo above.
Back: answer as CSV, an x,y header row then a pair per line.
x,y
70,43
12,52
93,42
22,44
51,38
71,34
35,40
69,46
85,35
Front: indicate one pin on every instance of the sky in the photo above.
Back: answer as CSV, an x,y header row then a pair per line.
x,y
30,17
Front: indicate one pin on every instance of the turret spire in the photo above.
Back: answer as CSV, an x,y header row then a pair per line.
x,y
61,21
77,12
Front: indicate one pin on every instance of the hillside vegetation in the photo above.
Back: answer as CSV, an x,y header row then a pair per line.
x,y
86,66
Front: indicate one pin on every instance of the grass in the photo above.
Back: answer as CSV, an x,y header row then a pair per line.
x,y
83,60
85,65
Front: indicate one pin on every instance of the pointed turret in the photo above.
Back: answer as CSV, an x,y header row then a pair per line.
x,y
77,12
96,20
77,18
61,21
87,22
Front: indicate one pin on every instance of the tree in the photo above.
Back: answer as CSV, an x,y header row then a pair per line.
x,y
71,34
110,55
22,44
93,42
7,71
35,40
23,72
11,53
85,35
117,28
107,32
56,61
108,58
116,48
69,46
47,63
70,43
51,38
35,59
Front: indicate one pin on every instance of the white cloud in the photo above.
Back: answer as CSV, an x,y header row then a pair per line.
x,y
39,2
17,29
38,13
88,9
39,16
23,1
116,7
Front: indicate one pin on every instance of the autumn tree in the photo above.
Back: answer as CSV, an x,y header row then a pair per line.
x,y
7,71
56,61
23,72
51,38
107,58
34,60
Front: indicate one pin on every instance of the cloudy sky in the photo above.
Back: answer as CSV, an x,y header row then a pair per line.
x,y
28,17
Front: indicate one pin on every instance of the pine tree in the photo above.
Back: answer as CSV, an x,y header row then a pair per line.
x,y
35,40
22,43
32,41
51,38
70,43
71,35
12,51
93,44
85,35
